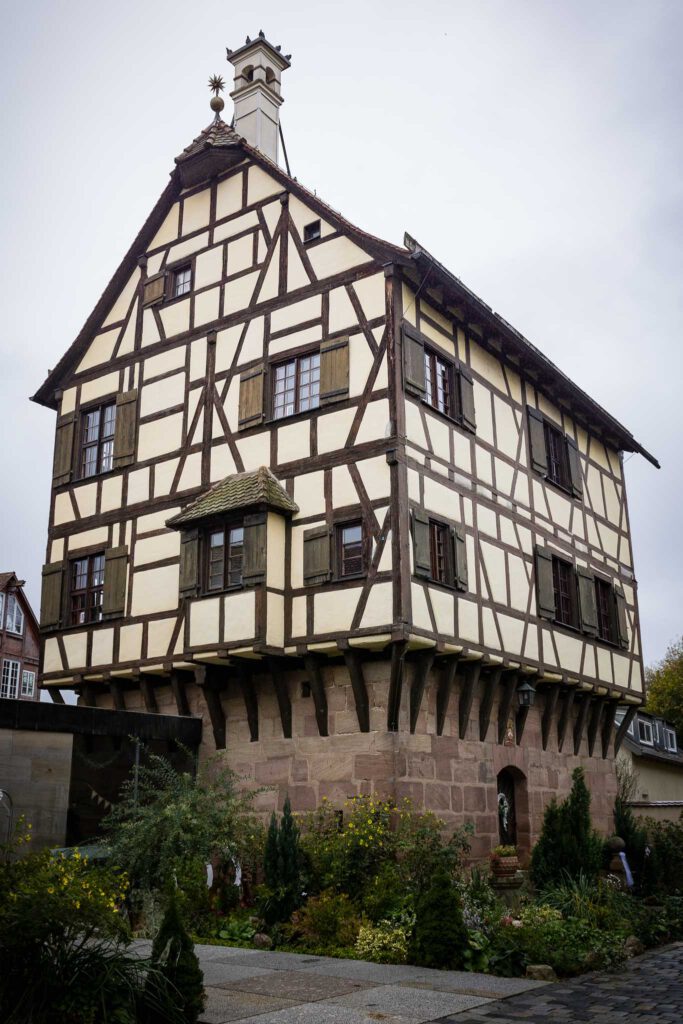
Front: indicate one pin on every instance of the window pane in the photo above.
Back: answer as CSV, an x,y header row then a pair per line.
x,y
89,462
235,556
92,426
109,422
181,281
442,386
107,456
351,549
216,560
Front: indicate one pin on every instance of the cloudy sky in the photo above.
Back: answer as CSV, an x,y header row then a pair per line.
x,y
533,146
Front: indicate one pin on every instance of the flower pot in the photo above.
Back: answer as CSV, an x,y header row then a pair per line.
x,y
503,867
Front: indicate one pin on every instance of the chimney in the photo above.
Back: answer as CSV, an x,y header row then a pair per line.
x,y
258,67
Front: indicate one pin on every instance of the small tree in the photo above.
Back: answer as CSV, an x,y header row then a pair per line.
x,y
173,953
440,936
665,687
568,846
282,864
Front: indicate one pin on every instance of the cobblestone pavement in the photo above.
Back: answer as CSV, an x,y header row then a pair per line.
x,y
648,991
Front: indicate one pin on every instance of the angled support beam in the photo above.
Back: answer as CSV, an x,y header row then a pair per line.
x,y
565,717
623,728
581,720
491,681
55,695
177,680
246,685
282,693
211,685
354,667
443,693
607,730
315,680
398,650
471,674
89,694
148,695
520,723
117,695
599,706
552,695
423,666
506,702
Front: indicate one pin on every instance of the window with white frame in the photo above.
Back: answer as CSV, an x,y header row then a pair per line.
x,y
9,684
670,739
28,683
14,620
645,733
2,609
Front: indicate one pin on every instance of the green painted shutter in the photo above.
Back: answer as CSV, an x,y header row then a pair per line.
x,y
421,549
413,361
588,611
539,460
254,564
189,563
51,595
64,445
575,477
467,398
622,619
317,555
334,370
251,397
460,558
124,431
545,591
115,574
153,289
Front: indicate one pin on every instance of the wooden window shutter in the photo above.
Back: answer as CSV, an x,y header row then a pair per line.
x,y
124,431
575,477
153,290
189,563
466,384
254,565
588,611
64,446
413,361
317,555
251,397
460,558
539,460
622,619
115,574
545,591
334,370
51,595
421,547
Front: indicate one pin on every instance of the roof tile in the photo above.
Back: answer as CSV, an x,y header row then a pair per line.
x,y
238,491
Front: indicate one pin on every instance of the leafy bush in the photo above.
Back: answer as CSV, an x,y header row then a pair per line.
x,y
282,867
663,870
330,918
237,930
385,896
173,953
440,937
383,943
601,903
568,845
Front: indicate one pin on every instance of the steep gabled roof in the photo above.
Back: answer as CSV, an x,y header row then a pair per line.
x,y
6,578
10,579
235,493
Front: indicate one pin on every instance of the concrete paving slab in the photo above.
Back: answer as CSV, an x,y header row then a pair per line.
x,y
274,961
362,970
210,952
327,1013
418,1004
222,973
300,985
224,1006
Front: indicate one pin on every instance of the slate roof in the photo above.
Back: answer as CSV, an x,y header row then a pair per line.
x,y
5,578
218,134
235,492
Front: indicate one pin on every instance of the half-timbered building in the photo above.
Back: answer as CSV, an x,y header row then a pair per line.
x,y
308,486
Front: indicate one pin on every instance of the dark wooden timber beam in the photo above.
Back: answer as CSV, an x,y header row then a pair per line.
x,y
491,681
178,682
55,694
148,694
282,693
599,706
443,693
117,695
423,665
315,680
581,719
248,689
565,716
354,666
506,702
398,650
552,695
623,728
211,683
89,694
471,673
607,727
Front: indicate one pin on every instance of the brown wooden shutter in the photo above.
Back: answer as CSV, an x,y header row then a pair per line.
x,y
124,431
51,595
153,290
334,370
189,562
588,611
539,460
460,558
64,445
115,573
254,564
251,397
421,547
575,477
467,398
545,590
413,361
317,555
622,620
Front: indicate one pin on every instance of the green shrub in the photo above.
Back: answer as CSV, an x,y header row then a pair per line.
x,y
328,919
440,937
568,846
385,895
282,866
383,943
173,954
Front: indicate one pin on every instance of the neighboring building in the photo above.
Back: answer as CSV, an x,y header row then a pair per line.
x,y
651,747
308,486
19,641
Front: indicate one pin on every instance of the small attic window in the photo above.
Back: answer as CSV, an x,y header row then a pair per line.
x,y
181,281
312,231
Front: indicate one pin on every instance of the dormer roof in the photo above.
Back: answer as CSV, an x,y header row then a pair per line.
x,y
235,493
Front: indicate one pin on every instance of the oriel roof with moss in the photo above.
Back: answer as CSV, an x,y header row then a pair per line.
x,y
236,492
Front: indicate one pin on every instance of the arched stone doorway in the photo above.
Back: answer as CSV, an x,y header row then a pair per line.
x,y
513,808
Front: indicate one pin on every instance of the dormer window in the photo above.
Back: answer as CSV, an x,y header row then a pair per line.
x,y
645,733
296,386
181,281
670,739
312,231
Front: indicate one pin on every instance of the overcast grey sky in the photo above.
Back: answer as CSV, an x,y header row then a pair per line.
x,y
534,146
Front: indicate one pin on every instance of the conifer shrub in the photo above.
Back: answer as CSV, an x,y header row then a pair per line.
x,y
282,867
173,954
440,936
568,846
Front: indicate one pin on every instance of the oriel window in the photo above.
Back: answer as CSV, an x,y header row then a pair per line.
x,y
438,383
87,589
350,549
556,449
296,386
97,440
225,558
181,281
564,586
